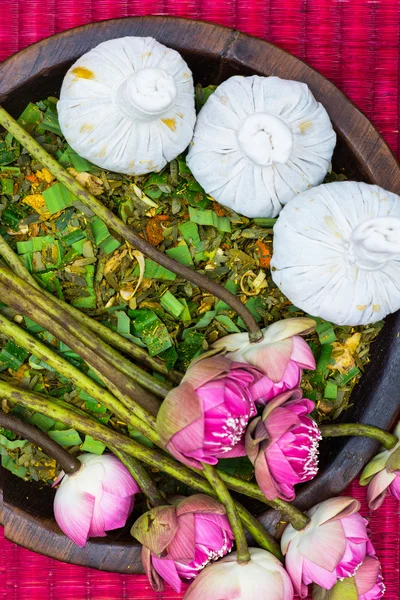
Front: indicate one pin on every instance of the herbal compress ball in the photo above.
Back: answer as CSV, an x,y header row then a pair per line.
x,y
258,142
337,252
128,105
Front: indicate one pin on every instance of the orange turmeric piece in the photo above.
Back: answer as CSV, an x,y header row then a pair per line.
x,y
264,254
154,230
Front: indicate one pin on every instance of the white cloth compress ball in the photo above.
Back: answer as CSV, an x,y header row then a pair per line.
x,y
337,252
258,142
128,105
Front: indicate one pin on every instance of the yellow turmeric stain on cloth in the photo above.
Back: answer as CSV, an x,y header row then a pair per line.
x,y
83,73
171,123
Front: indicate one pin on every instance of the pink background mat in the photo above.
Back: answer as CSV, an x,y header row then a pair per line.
x,y
355,43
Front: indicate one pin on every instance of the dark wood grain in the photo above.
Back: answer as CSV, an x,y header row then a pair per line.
x,y
213,53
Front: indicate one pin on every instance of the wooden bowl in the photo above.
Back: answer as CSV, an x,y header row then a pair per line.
x,y
213,53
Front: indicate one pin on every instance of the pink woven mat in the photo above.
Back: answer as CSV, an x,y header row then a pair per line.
x,y
355,43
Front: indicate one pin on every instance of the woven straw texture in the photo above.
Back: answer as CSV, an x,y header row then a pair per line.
x,y
355,43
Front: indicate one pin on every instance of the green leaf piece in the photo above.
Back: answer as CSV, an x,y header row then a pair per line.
x,y
68,437
13,356
148,327
209,218
93,446
57,197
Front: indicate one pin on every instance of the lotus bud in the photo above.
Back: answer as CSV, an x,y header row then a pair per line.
x,y
97,498
179,541
282,444
332,546
263,577
281,355
382,475
205,417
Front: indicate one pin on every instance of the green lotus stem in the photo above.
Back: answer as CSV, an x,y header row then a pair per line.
x,y
125,230
226,499
388,440
27,341
27,300
79,420
258,531
142,478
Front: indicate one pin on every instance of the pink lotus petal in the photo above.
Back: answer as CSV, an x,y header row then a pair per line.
x,y
279,422
367,575
73,512
394,487
294,566
237,451
200,503
324,546
167,570
182,546
281,330
272,360
156,582
302,354
180,408
207,369
355,528
279,466
377,488
186,460
97,522
58,479
266,482
115,510
117,477
313,573
190,438
333,509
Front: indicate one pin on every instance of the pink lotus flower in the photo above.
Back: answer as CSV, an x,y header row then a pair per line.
x,y
98,498
281,355
383,475
206,416
179,541
263,577
366,584
282,444
332,546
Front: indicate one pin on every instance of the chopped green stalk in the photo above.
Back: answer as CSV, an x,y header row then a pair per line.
x,y
171,304
264,222
124,230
